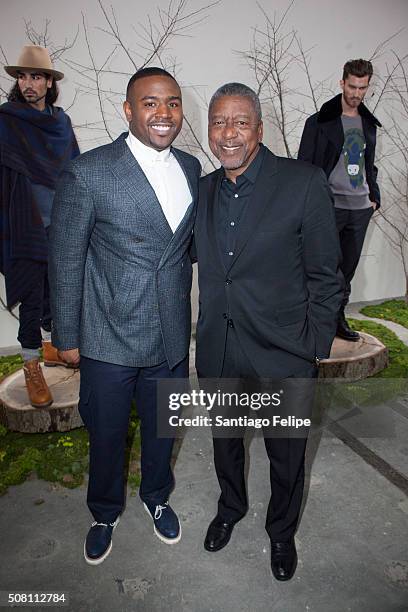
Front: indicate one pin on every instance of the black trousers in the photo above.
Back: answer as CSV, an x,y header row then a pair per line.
x,y
286,458
106,393
34,311
352,227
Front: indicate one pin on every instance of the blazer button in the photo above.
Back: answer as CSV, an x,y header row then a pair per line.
x,y
230,323
228,281
225,316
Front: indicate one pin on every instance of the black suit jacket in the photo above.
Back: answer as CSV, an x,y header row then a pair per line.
x,y
281,291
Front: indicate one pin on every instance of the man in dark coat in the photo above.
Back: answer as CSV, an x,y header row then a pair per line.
x,y
341,139
267,252
36,141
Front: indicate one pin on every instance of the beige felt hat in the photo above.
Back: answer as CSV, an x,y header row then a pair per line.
x,y
34,57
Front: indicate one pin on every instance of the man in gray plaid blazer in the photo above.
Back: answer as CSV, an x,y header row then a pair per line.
x,y
120,279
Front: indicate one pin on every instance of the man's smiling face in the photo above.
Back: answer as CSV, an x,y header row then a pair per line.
x,y
234,133
154,111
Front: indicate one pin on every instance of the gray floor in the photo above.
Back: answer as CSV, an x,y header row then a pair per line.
x,y
352,539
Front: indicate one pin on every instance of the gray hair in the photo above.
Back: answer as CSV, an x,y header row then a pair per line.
x,y
237,89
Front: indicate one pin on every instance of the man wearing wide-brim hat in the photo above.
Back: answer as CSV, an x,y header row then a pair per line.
x,y
36,141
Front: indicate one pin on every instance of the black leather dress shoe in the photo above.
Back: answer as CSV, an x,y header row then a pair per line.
x,y
344,331
283,559
218,534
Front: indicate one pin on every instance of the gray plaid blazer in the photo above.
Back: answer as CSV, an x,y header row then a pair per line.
x,y
120,279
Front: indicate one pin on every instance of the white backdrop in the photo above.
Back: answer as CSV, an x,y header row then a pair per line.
x,y
207,55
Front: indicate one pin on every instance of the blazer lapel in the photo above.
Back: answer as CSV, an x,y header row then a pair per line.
x,y
186,164
186,224
262,197
129,173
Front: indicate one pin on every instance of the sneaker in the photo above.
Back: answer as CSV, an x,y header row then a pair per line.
x,y
166,524
98,543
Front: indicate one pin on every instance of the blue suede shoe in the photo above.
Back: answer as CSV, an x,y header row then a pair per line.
x,y
98,543
166,524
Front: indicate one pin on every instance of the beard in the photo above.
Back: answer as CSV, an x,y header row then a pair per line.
x,y
352,101
32,98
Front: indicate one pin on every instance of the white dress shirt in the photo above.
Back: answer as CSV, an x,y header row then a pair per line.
x,y
167,178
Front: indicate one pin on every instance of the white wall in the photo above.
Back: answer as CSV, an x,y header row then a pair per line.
x,y
337,31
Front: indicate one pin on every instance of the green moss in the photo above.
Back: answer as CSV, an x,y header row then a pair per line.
x,y
65,460
378,389
392,310
18,469
9,364
54,457
397,350
57,457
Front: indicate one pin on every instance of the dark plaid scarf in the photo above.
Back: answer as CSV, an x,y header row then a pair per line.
x,y
34,148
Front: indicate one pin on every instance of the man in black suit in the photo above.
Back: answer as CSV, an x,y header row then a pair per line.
x,y
267,252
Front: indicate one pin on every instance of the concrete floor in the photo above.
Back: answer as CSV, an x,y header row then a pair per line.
x,y
352,539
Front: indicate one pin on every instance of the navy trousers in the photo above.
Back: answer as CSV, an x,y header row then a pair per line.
x,y
106,393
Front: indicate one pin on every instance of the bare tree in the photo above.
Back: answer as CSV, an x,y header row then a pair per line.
x,y
392,218
37,37
3,62
102,77
43,38
150,43
275,55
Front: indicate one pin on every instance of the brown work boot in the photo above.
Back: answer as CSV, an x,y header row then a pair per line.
x,y
38,391
51,357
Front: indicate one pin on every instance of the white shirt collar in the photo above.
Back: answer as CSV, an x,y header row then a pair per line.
x,y
147,154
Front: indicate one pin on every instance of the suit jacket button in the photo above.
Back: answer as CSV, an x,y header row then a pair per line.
x,y
228,281
224,314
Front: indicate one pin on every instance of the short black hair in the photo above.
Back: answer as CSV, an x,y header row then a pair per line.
x,y
358,68
146,72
